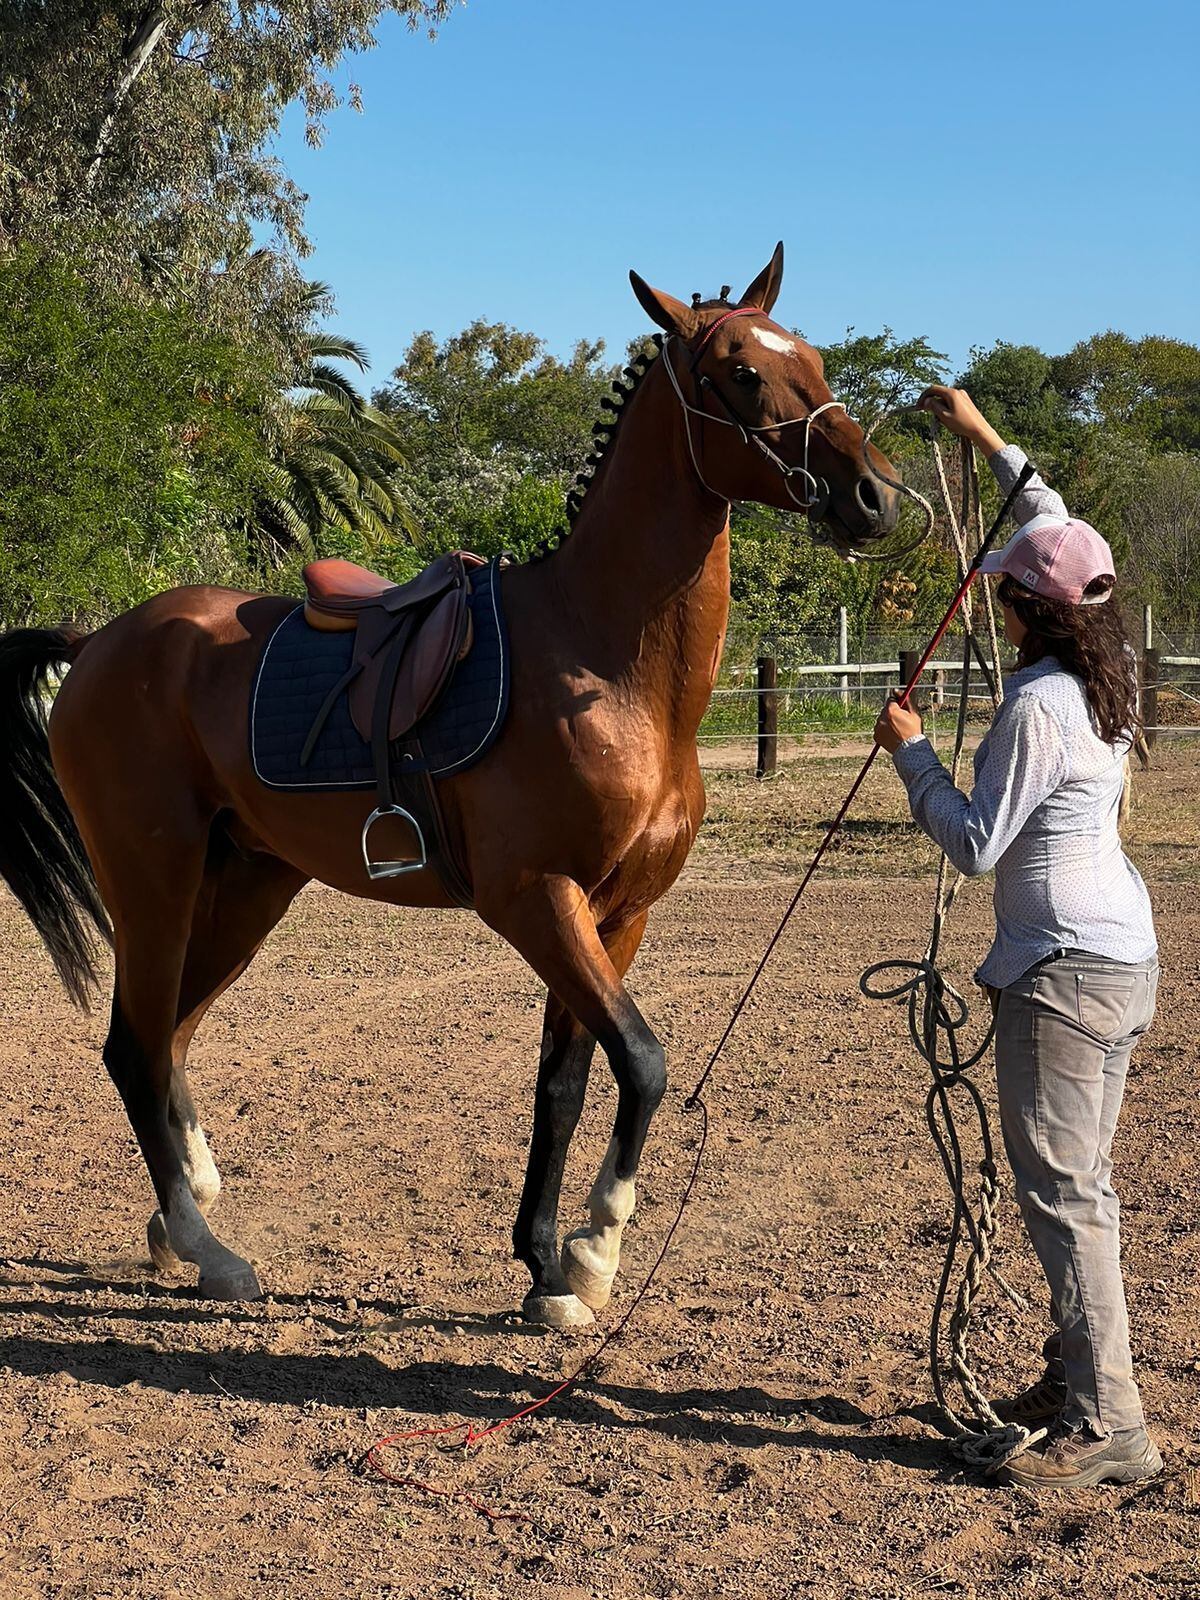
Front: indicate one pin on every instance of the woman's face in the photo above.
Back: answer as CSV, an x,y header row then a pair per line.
x,y
1014,629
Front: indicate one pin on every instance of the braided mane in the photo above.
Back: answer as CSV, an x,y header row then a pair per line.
x,y
604,434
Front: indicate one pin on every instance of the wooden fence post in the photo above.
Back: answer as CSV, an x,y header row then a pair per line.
x,y
768,715
910,660
843,657
1149,696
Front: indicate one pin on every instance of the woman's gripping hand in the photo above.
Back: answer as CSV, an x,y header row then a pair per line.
x,y
896,723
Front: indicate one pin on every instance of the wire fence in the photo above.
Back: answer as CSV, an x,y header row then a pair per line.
x,y
820,687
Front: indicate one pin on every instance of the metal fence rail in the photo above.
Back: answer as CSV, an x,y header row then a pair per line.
x,y
768,701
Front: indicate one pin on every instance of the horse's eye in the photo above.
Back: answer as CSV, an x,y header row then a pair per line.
x,y
747,377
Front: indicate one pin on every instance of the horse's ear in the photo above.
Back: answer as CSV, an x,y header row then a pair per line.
x,y
664,309
764,291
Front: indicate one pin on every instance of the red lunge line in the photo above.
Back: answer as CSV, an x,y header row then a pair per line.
x,y
472,1435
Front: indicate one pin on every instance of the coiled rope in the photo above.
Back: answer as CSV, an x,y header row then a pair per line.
x,y
936,1014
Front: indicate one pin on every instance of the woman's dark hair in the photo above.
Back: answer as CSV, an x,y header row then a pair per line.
x,y
1091,642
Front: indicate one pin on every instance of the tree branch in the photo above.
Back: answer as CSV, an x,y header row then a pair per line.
x,y
141,45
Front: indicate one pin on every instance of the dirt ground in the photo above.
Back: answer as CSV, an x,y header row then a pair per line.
x,y
765,1425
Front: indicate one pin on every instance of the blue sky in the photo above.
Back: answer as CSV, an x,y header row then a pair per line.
x,y
976,172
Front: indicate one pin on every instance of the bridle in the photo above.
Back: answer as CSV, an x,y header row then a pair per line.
x,y
817,490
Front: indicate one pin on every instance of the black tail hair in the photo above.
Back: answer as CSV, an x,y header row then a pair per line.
x,y
42,858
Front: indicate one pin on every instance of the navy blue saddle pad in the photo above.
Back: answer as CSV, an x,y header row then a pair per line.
x,y
300,665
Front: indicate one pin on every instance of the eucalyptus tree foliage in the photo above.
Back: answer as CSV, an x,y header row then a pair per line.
x,y
333,485
131,445
145,125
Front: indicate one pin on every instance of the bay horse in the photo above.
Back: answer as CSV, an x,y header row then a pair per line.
x,y
133,811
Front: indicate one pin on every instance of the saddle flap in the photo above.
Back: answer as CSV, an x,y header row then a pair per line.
x,y
430,653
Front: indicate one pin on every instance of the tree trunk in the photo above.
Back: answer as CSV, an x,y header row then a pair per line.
x,y
142,43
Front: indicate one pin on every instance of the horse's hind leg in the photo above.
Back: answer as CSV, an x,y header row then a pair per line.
x,y
567,1049
241,899
150,858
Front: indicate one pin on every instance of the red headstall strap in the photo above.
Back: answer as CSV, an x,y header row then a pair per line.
x,y
738,311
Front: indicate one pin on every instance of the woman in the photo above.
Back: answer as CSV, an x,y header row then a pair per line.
x,y
1073,969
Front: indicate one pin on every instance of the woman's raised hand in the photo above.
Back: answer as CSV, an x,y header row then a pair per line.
x,y
957,412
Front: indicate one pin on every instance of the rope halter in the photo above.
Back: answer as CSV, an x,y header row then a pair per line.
x,y
816,490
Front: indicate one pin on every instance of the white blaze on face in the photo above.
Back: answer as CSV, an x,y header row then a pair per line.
x,y
775,341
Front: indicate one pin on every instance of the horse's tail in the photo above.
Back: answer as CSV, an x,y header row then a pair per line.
x,y
42,858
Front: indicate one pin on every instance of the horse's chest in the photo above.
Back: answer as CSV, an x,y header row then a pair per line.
x,y
654,858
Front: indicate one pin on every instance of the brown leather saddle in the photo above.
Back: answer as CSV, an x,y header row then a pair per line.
x,y
408,639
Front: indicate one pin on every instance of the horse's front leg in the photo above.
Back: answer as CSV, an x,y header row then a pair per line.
x,y
567,1049
551,924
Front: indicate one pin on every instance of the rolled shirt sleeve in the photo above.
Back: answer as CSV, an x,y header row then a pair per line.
x,y
1037,498
1024,761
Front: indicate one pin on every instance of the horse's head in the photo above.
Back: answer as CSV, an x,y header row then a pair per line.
x,y
762,422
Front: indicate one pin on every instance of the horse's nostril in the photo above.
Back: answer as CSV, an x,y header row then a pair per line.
x,y
867,496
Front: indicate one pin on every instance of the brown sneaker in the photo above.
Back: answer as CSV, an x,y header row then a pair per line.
x,y
1037,1406
1074,1458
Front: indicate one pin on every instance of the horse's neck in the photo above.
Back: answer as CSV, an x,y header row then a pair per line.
x,y
645,572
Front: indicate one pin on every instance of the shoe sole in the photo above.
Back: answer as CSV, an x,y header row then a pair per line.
x,y
1148,1465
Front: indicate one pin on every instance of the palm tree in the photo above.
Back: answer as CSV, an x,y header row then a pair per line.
x,y
335,459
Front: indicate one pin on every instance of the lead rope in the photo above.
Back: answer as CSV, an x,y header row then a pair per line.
x,y
465,1434
937,1010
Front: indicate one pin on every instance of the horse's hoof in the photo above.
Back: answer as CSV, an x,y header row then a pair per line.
x,y
561,1311
236,1282
593,1288
163,1257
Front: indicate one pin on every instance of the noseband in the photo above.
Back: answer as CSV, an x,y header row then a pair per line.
x,y
816,489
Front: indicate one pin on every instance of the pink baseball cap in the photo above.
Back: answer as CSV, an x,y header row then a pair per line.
x,y
1056,560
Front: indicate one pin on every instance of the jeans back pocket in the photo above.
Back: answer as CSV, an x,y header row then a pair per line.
x,y
1105,1002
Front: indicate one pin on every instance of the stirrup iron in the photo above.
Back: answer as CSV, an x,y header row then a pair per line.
x,y
392,869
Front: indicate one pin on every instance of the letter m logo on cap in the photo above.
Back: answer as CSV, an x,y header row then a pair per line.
x,y
1030,578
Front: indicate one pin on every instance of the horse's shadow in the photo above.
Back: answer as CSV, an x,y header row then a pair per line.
x,y
152,1301
354,1375
480,1392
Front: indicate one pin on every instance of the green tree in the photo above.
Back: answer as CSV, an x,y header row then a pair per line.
x,y
495,429
1161,527
876,374
1014,386
492,388
1143,388
147,125
131,446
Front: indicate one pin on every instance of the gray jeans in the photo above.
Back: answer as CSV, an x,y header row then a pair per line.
x,y
1064,1034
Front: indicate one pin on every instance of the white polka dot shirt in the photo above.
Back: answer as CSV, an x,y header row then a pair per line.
x,y
1043,814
